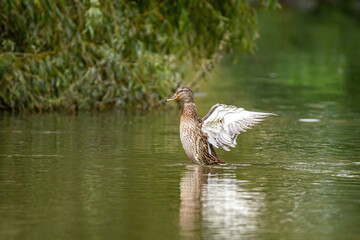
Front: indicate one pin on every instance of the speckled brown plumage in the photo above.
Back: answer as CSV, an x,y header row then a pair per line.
x,y
219,128
194,141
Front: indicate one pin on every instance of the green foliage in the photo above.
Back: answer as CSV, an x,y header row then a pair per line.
x,y
79,54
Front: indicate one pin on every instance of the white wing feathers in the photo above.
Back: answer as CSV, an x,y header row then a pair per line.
x,y
224,123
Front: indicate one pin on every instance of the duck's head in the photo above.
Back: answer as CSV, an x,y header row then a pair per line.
x,y
183,93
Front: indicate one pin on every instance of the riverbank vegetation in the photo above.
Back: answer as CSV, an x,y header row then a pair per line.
x,y
84,54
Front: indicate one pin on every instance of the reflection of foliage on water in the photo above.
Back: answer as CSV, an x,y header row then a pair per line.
x,y
91,54
307,59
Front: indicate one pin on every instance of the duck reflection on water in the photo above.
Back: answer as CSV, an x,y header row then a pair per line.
x,y
215,204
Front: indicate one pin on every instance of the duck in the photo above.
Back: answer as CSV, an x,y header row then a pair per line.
x,y
218,128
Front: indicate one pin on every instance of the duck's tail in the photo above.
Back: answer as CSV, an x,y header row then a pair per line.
x,y
212,158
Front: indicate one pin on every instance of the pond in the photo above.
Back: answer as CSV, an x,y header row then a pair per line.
x,y
124,175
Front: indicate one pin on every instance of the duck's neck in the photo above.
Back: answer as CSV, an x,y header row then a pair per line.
x,y
189,111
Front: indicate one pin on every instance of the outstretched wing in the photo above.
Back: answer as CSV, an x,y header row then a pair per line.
x,y
223,123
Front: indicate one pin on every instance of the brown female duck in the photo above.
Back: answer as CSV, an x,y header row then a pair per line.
x,y
219,128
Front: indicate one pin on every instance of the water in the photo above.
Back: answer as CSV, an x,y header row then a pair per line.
x,y
124,175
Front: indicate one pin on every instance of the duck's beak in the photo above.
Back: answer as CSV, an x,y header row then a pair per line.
x,y
173,98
